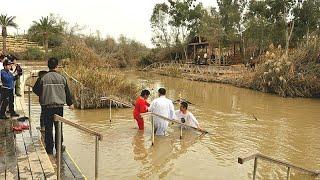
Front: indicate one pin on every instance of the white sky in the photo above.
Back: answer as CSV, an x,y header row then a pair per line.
x,y
110,17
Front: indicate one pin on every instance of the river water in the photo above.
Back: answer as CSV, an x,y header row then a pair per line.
x,y
286,129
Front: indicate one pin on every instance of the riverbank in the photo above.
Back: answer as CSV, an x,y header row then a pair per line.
x,y
295,75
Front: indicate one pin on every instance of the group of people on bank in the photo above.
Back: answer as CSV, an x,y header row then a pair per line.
x,y
164,107
10,85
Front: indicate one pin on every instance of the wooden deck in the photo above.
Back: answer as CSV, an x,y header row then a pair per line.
x,y
23,156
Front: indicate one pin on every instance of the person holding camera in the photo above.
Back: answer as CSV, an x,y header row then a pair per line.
x,y
7,90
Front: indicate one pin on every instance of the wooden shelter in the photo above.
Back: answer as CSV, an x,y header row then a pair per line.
x,y
198,46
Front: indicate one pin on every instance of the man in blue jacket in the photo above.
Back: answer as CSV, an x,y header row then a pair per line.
x,y
7,90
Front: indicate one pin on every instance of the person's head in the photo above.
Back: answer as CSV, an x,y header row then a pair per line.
x,y
53,63
162,92
7,64
145,93
183,106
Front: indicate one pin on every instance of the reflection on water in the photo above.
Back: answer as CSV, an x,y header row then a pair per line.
x,y
287,129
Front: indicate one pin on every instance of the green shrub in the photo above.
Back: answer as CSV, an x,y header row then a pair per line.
x,y
145,61
33,54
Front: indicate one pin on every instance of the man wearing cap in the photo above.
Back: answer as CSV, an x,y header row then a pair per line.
x,y
7,94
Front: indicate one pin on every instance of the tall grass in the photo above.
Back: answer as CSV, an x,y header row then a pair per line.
x,y
96,75
294,76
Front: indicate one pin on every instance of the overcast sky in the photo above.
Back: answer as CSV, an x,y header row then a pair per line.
x,y
110,17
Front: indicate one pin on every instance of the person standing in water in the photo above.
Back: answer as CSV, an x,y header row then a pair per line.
x,y
164,107
185,116
141,106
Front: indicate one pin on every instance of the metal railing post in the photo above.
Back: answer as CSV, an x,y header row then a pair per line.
x,y
288,173
96,158
29,101
110,103
59,151
255,167
81,98
152,124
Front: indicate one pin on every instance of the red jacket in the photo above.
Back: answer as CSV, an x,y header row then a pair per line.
x,y
141,106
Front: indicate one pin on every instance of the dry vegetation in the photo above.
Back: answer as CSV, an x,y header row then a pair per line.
x,y
98,78
295,76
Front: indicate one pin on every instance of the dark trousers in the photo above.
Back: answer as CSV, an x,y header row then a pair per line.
x,y
48,116
42,118
7,98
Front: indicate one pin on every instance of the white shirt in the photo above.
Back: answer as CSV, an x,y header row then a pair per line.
x,y
189,118
164,107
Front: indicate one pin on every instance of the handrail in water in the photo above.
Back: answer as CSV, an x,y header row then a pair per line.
x,y
148,114
275,161
98,136
151,114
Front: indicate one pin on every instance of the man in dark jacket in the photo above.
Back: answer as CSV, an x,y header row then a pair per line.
x,y
7,88
37,84
54,94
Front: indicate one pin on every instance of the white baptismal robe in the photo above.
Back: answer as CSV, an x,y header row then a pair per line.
x,y
163,107
189,118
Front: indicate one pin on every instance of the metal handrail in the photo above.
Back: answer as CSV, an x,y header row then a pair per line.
x,y
111,100
151,114
61,120
275,161
98,136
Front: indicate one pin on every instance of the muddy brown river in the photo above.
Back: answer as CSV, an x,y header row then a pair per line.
x,y
286,129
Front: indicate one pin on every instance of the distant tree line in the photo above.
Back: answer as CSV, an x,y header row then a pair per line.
x,y
253,24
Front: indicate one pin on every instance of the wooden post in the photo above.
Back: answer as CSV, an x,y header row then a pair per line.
x,y
81,97
255,167
194,52
110,104
288,173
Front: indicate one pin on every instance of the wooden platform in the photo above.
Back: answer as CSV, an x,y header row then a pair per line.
x,y
23,156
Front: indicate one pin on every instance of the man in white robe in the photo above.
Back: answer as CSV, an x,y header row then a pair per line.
x,y
164,107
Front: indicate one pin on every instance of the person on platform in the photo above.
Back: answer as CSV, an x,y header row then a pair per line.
x,y
186,117
7,88
164,107
141,106
17,72
37,84
54,94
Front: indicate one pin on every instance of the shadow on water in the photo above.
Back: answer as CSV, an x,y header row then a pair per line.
x,y
287,129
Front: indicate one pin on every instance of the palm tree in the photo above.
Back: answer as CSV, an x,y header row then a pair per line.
x,y
6,21
45,26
